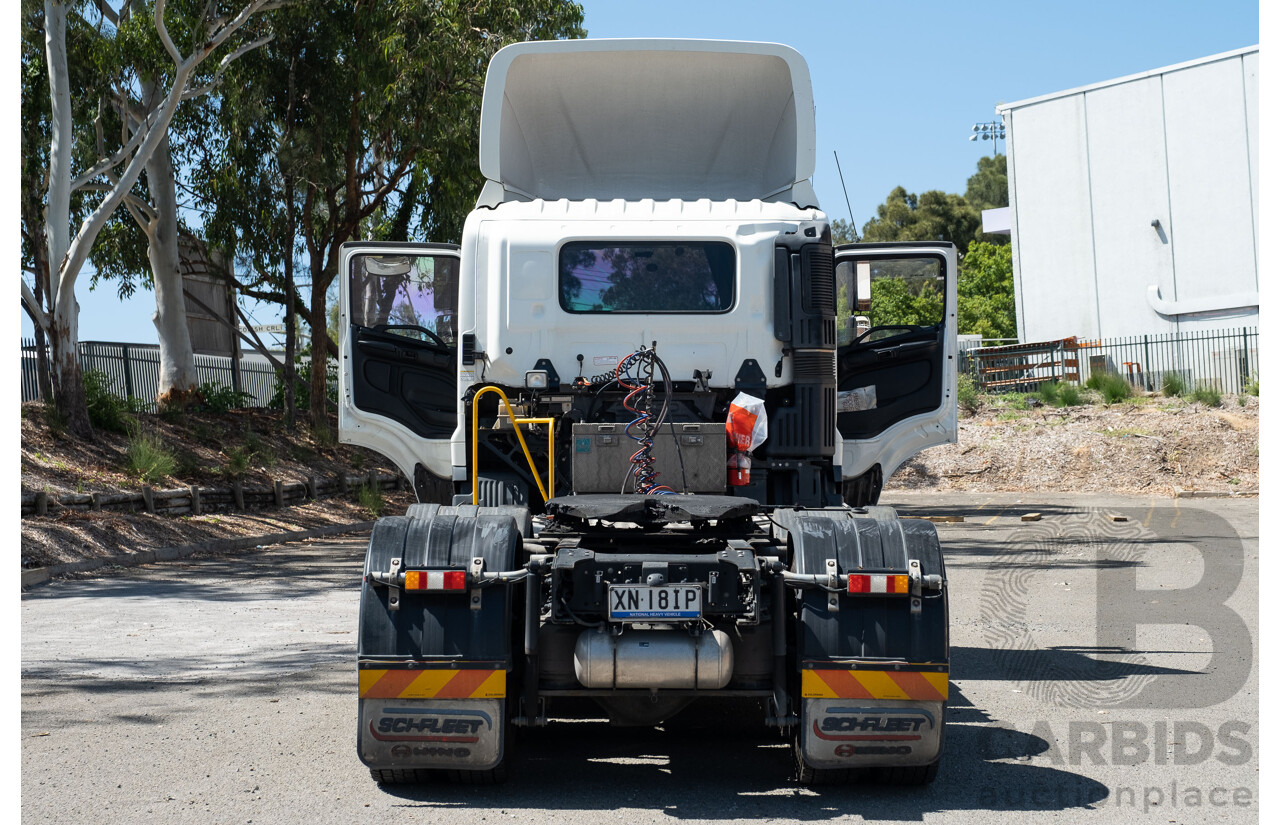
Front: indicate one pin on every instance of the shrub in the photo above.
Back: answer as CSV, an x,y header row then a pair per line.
x,y
54,419
1251,386
239,460
1173,384
147,457
967,394
107,411
1110,386
258,451
1048,392
1013,401
1207,396
369,496
216,398
1069,396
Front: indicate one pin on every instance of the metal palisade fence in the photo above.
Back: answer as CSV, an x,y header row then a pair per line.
x,y
1225,360
133,371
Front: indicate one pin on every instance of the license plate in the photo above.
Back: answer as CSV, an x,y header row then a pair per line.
x,y
638,602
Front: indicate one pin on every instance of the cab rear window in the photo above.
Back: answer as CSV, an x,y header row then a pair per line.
x,y
647,277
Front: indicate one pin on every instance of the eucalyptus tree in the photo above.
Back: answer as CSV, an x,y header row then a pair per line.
x,y
363,118
108,182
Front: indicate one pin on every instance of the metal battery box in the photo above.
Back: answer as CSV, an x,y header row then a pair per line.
x,y
602,457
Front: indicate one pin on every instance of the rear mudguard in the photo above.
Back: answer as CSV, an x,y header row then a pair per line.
x,y
433,673
874,672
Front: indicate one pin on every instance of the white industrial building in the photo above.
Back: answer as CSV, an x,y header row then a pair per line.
x,y
1134,203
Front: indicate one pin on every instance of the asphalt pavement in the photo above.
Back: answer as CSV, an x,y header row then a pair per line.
x,y
1104,669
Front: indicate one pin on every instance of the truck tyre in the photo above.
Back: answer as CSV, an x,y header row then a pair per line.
x,y
419,776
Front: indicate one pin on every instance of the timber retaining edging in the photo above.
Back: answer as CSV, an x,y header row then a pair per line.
x,y
196,500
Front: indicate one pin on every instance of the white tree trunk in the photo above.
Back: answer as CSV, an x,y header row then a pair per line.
x,y
68,254
177,361
64,317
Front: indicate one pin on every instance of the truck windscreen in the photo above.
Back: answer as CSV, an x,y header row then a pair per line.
x,y
645,277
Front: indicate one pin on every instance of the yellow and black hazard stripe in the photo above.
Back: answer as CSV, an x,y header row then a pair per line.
x,y
921,682
472,680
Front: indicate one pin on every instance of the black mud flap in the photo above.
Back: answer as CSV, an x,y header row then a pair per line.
x,y
434,667
873,668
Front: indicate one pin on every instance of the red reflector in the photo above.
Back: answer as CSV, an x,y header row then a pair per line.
x,y
859,583
455,580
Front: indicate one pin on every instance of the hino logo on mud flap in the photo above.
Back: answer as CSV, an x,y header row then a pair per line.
x,y
407,751
872,750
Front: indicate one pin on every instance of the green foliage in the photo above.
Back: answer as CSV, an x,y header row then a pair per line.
x,y
893,300
107,411
239,460
1207,396
1251,386
1056,394
1173,385
369,496
188,464
147,458
54,419
357,120
301,396
988,188
985,303
1068,396
172,413
1110,386
253,452
258,450
967,393
1012,401
932,216
842,232
937,215
216,398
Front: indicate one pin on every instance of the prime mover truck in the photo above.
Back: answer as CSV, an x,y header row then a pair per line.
x,y
648,409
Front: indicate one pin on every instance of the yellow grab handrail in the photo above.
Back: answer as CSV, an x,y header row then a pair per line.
x,y
515,422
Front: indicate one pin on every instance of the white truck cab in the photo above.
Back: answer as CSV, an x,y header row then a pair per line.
x,y
642,191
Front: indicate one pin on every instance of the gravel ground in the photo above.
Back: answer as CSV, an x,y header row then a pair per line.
x,y
1150,446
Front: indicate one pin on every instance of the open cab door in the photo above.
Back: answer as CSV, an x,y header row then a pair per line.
x,y
398,370
895,357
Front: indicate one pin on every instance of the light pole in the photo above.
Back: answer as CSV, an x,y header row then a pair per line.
x,y
991,130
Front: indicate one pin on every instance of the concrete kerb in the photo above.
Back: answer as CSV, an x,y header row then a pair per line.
x,y
1180,493
41,575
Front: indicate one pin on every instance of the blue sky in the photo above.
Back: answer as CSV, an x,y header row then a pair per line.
x,y
897,85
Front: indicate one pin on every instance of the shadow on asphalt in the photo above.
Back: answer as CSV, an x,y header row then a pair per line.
x,y
732,771
246,576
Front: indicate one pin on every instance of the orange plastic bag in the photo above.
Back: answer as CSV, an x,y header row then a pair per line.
x,y
746,428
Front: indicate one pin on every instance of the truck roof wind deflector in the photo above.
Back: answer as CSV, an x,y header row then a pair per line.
x,y
660,119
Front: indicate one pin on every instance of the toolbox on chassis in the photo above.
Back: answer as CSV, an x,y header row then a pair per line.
x,y
647,410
